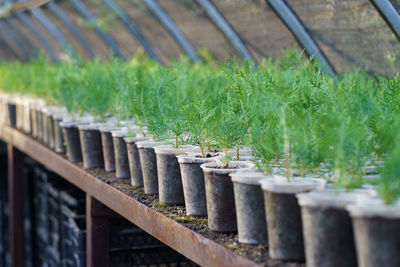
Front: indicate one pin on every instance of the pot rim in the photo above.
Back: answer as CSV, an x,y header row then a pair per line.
x,y
280,184
333,198
73,123
136,139
374,207
119,133
248,177
211,167
150,143
170,149
91,126
190,158
108,128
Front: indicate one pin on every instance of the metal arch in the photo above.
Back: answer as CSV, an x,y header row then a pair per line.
x,y
52,29
131,26
227,30
389,14
26,40
171,27
289,17
7,48
27,21
15,40
60,14
85,12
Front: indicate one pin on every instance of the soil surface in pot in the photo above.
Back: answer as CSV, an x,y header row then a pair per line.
x,y
257,253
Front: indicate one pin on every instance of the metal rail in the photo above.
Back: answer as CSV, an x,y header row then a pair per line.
x,y
131,26
60,14
52,29
87,14
187,242
27,21
26,40
172,28
7,48
15,25
294,24
227,30
389,14
21,51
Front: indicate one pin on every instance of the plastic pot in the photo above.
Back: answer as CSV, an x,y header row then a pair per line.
x,y
250,210
34,119
285,233
220,196
59,145
327,228
92,151
108,147
72,140
12,114
120,154
148,162
134,159
170,188
193,182
377,232
49,127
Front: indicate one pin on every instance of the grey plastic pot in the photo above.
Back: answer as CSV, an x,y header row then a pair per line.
x,y
108,147
170,188
120,154
250,210
148,162
377,232
220,198
34,119
72,140
134,159
59,144
327,227
193,182
285,232
92,151
49,124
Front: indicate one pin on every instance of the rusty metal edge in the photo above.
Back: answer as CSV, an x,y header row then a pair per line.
x,y
194,246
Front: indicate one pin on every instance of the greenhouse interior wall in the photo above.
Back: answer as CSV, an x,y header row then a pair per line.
x,y
55,211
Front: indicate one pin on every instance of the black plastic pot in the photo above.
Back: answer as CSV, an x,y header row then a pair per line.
x,y
59,145
170,188
327,227
148,162
39,124
120,154
250,210
108,147
72,140
12,114
220,196
50,128
92,151
377,233
34,120
193,183
134,160
285,232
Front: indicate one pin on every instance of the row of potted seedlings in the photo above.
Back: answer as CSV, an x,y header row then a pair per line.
x,y
281,154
